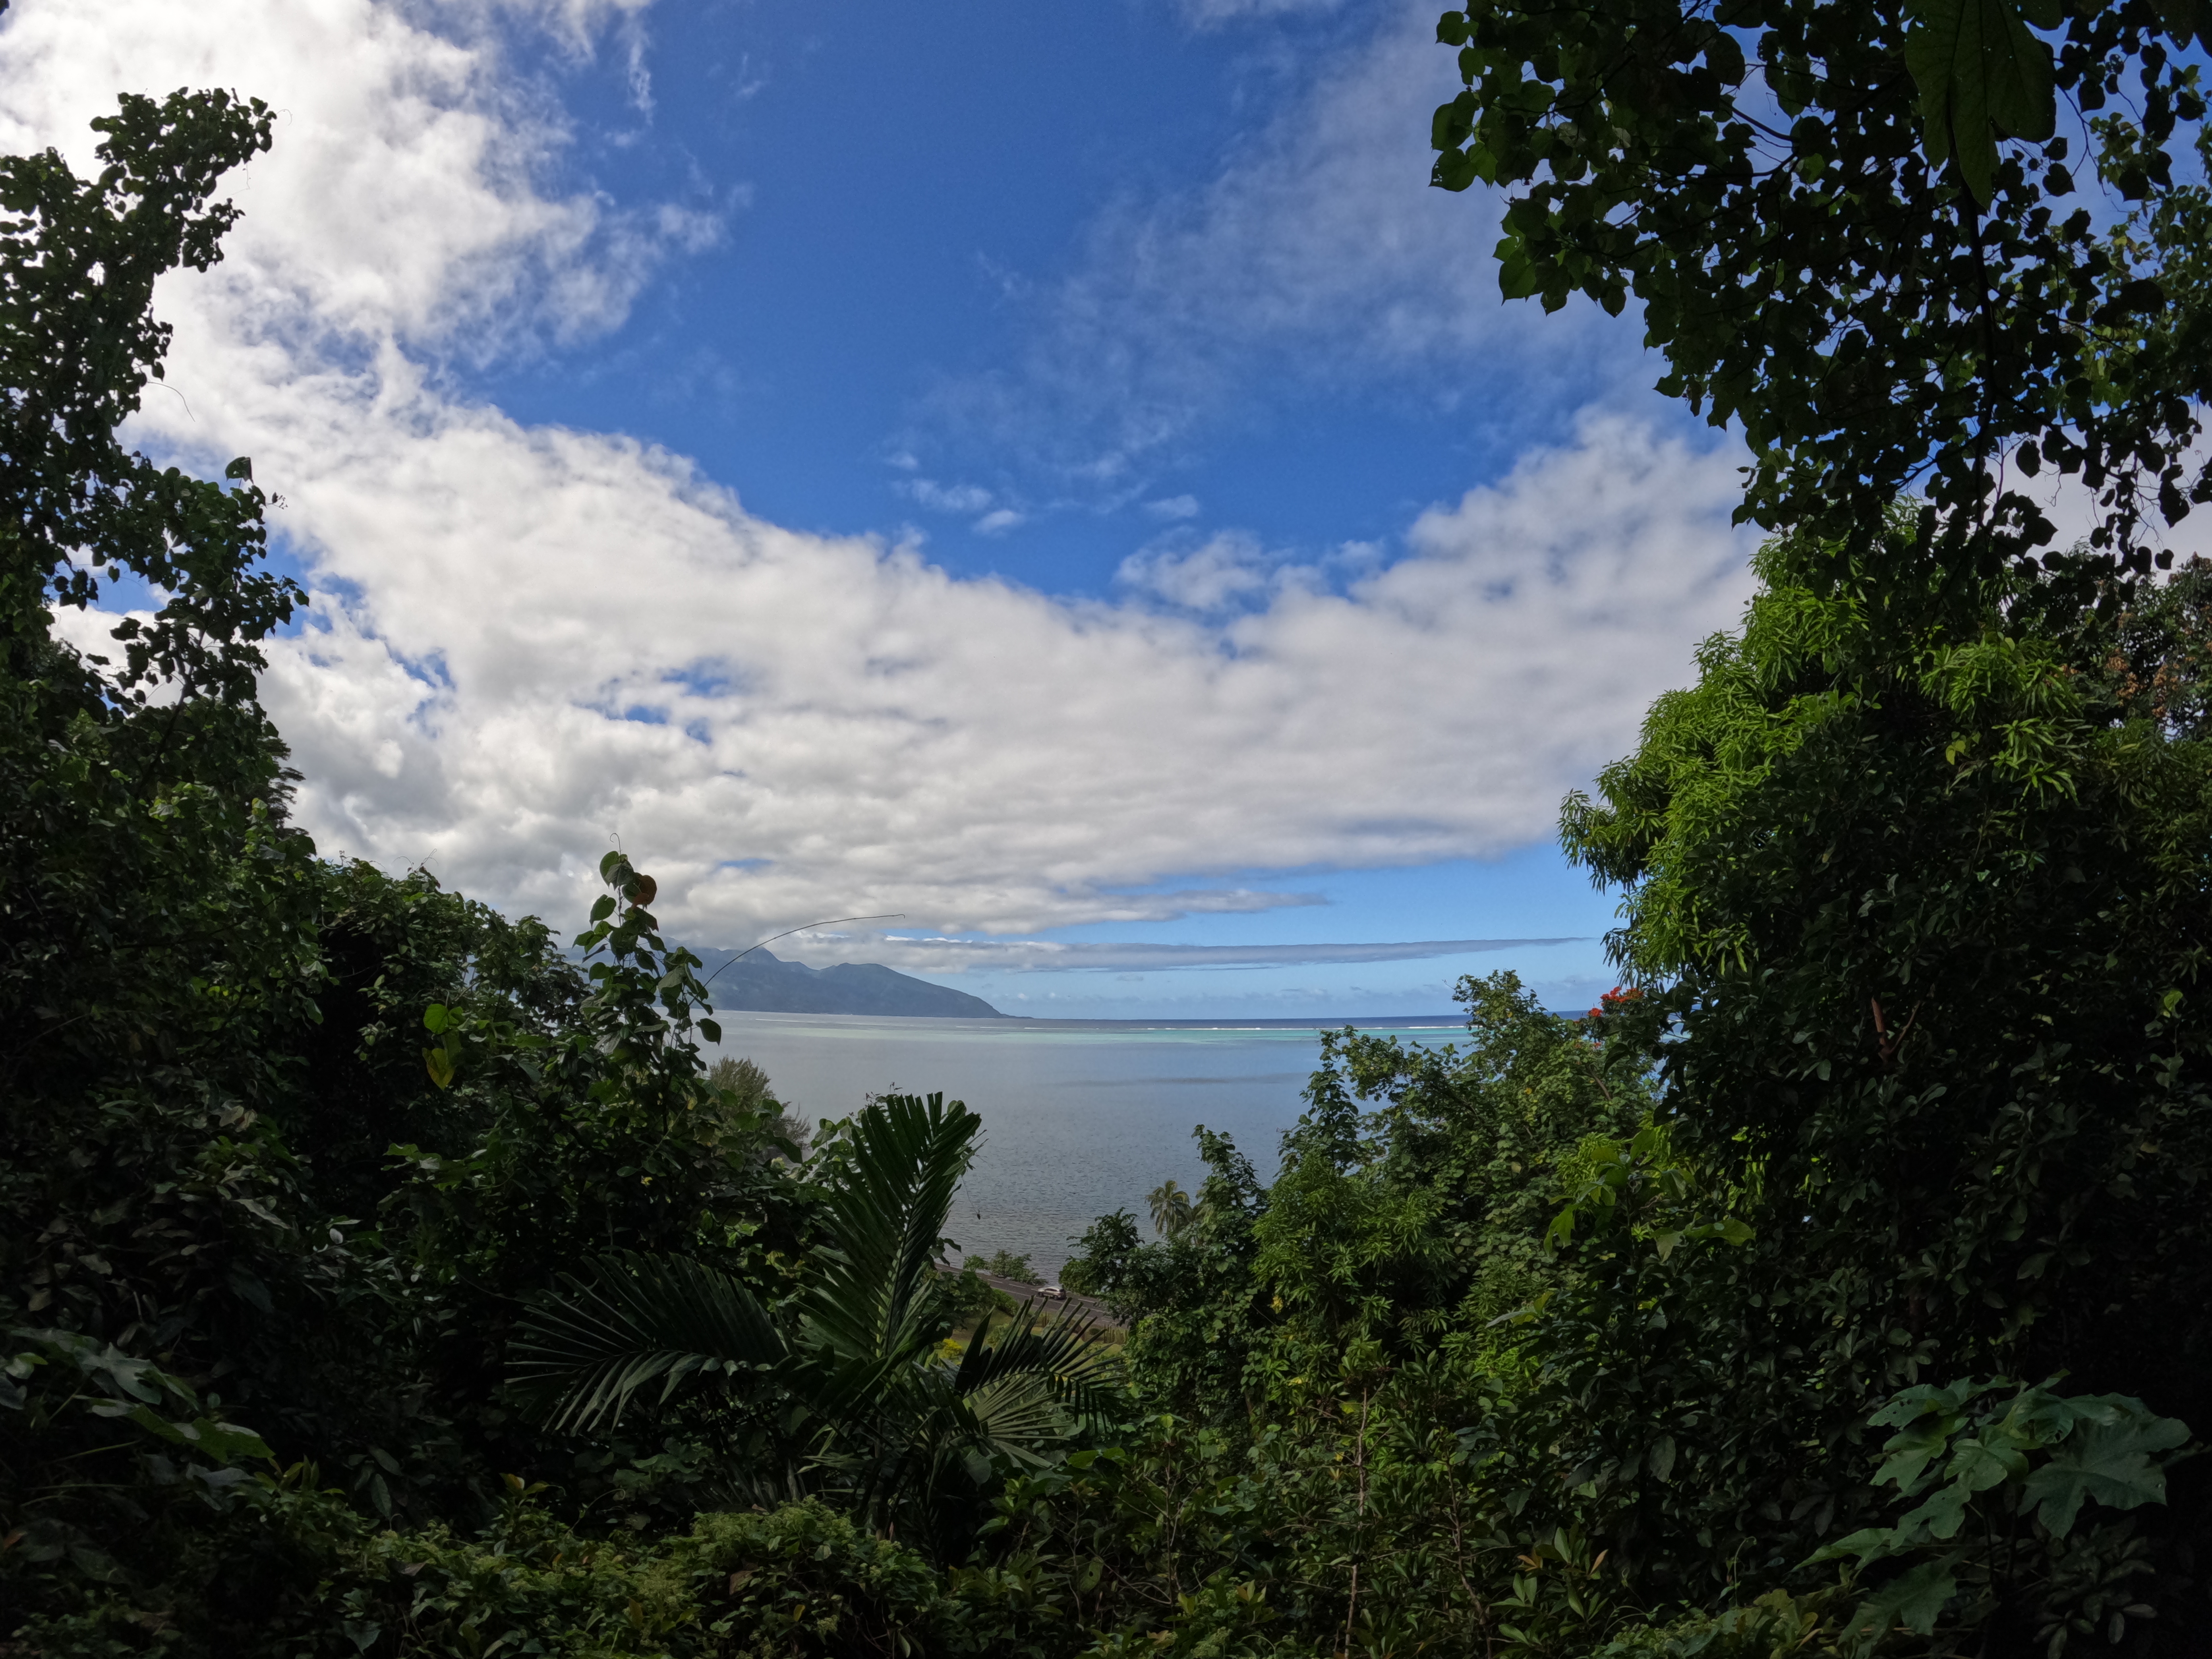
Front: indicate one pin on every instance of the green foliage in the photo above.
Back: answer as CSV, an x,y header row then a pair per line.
x,y
300,1574
1388,1233
1889,1095
1916,898
748,1087
1856,232
1172,1209
1004,1264
967,1297
216,1043
1772,1625
1919,872
2000,1492
1575,1338
853,1387
78,262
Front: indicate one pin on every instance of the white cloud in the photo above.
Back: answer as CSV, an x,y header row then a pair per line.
x,y
1317,256
889,737
528,639
945,498
1231,567
1208,14
962,955
399,203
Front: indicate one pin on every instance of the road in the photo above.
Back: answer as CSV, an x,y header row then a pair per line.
x,y
1089,1307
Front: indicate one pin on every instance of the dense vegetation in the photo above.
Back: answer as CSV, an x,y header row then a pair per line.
x,y
379,1276
1936,245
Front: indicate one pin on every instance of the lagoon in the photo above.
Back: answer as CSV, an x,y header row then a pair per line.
x,y
1079,1116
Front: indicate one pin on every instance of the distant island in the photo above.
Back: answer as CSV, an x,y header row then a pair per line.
x,y
766,984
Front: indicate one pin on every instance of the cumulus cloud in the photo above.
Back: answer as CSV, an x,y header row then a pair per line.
x,y
400,202
1225,569
527,641
548,638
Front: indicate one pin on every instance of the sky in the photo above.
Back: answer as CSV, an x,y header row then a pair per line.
x,y
1043,478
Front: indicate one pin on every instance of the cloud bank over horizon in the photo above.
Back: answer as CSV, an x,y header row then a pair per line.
x,y
530,639
943,956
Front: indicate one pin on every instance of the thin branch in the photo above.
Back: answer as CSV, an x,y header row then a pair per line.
x,y
831,922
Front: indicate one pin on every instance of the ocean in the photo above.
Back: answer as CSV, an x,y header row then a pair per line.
x,y
1080,1117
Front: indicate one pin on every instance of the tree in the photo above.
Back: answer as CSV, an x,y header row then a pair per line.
x,y
154,905
1408,1215
748,1084
1004,1264
865,1402
212,1044
1917,894
1858,229
1171,1208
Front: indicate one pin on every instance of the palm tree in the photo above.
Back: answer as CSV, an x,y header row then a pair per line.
x,y
1172,1210
877,1413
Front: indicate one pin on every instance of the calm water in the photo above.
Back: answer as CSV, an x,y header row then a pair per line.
x,y
1079,1116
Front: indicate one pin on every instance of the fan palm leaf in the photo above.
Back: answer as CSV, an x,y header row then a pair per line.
x,y
626,1321
889,1418
892,1178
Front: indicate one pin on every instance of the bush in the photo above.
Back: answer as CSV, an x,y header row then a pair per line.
x,y
1005,1264
968,1298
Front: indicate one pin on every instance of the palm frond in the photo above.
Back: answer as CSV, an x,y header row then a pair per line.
x,y
582,1352
1075,1371
1013,1402
891,1189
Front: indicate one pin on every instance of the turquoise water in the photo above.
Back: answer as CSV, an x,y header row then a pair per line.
x,y
1079,1116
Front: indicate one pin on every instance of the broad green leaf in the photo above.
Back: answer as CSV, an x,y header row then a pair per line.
x,y
1981,75
1454,170
1979,1464
1516,276
225,1442
1938,1517
1911,1452
1916,1601
2110,1461
1868,1544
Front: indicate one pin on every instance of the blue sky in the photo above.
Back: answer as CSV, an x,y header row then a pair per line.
x,y
908,204
1054,473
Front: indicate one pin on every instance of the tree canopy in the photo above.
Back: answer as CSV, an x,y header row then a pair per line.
x,y
380,1276
1933,246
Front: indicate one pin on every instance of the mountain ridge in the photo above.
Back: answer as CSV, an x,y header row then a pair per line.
x,y
760,983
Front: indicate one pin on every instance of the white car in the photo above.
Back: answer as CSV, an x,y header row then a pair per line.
x,y
1052,1292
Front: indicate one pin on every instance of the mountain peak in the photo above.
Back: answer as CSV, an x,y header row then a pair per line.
x,y
758,982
